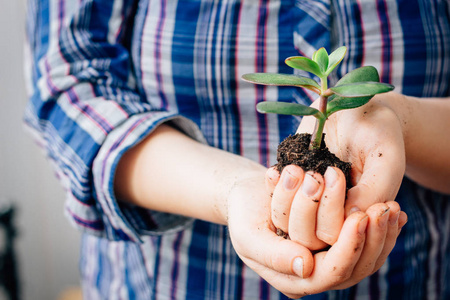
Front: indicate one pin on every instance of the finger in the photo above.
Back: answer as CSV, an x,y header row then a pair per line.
x,y
336,266
380,180
283,195
396,221
402,220
375,241
330,216
266,252
271,179
302,219
254,238
331,268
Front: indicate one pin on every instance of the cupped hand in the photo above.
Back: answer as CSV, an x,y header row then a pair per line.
x,y
371,138
364,241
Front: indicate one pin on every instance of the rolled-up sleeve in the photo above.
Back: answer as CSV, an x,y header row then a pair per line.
x,y
85,110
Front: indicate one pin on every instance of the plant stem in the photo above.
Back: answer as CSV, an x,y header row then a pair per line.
x,y
316,137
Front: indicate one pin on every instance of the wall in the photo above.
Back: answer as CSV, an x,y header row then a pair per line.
x,y
47,245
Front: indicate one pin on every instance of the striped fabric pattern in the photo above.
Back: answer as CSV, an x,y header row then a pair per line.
x,y
103,74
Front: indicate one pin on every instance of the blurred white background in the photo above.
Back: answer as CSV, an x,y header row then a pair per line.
x,y
47,246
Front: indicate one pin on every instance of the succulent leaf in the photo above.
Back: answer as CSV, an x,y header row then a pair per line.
x,y
367,74
305,64
362,74
335,58
353,90
361,89
339,103
282,80
321,58
284,108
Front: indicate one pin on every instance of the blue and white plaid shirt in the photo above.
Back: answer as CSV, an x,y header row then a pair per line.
x,y
104,73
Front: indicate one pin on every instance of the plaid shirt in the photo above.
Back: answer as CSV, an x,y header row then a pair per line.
x,y
103,74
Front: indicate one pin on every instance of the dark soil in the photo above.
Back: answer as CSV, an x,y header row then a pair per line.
x,y
295,150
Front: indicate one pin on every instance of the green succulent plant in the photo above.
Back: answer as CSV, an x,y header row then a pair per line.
x,y
353,90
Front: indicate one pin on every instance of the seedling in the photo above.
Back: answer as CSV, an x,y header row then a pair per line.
x,y
353,90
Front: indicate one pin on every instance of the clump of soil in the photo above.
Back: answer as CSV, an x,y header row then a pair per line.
x,y
295,150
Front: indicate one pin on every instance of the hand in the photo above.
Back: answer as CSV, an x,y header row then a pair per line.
x,y
308,206
371,138
361,248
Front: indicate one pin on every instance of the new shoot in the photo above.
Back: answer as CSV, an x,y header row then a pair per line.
x,y
353,90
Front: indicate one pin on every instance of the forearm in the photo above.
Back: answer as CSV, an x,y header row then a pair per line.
x,y
425,127
173,173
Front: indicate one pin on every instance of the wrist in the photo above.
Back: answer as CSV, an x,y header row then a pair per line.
x,y
242,196
248,177
425,150
169,172
404,108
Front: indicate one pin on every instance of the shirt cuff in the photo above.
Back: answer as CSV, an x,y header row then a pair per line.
x,y
124,221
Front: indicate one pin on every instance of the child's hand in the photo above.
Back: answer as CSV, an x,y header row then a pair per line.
x,y
371,139
364,242
307,206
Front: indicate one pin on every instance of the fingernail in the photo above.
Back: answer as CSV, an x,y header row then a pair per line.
x,y
310,185
331,177
362,225
394,219
289,181
384,217
297,266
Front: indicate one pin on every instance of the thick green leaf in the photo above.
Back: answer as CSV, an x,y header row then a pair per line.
x,y
283,108
339,103
361,89
335,58
305,64
313,57
366,73
282,80
321,58
358,76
